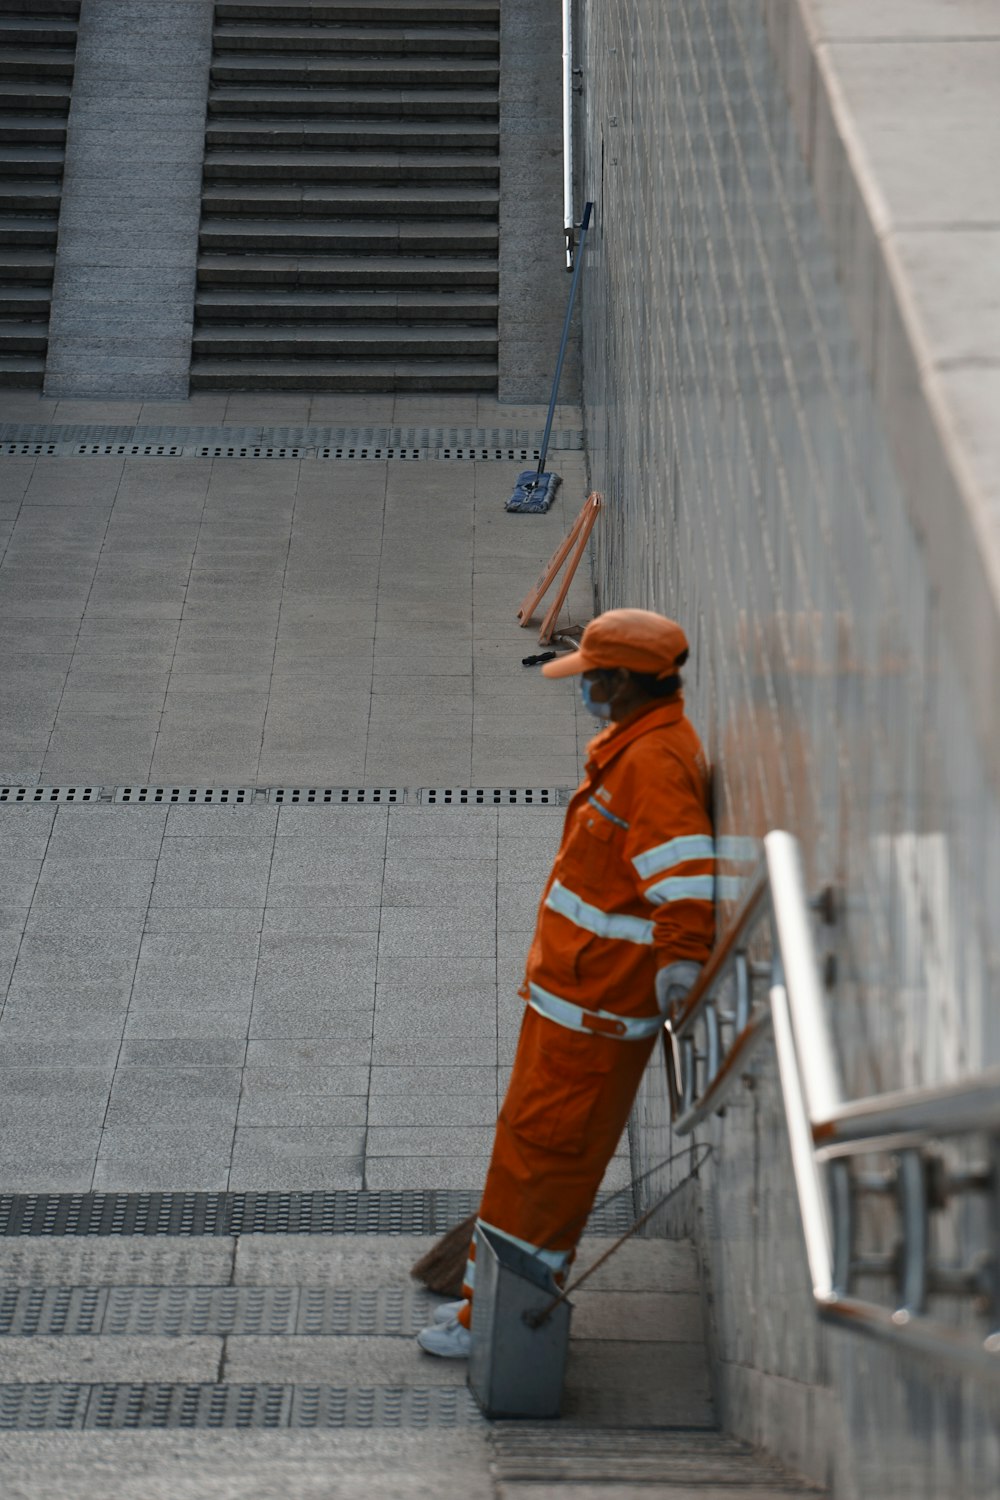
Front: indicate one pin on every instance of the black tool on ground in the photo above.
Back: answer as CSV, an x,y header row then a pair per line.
x,y
538,658
535,490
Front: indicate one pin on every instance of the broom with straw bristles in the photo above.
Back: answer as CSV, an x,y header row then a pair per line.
x,y
442,1269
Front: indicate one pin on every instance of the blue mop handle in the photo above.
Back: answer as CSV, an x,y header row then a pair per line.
x,y
584,226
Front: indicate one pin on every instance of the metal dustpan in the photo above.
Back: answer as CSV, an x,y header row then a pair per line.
x,y
515,1370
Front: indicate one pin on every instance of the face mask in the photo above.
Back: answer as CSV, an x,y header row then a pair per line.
x,y
599,710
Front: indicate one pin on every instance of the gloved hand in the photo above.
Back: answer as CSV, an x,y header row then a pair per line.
x,y
674,981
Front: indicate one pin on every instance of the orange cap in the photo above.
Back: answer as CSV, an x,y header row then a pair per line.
x,y
638,639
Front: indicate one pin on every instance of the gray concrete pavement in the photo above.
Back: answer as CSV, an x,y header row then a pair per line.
x,y
248,997
255,997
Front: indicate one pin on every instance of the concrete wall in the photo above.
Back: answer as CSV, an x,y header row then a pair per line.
x,y
534,285
780,474
123,296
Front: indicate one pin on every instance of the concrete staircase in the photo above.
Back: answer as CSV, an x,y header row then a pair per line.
x,y
309,1340
37,50
349,205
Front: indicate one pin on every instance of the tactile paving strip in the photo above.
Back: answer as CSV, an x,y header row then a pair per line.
x,y
215,1311
125,1407
426,1211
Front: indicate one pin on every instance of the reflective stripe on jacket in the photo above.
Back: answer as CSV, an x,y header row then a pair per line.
x,y
632,887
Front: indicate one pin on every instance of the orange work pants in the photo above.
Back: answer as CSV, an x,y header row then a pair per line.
x,y
567,1104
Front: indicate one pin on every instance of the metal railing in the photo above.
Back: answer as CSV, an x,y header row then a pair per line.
x,y
569,217
712,1036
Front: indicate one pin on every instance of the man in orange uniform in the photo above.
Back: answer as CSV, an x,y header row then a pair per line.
x,y
625,923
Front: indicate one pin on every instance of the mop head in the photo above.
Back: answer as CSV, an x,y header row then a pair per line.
x,y
533,493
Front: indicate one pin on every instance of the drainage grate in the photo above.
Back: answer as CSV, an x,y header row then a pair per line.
x,y
52,794
221,450
219,1312
127,450
494,796
426,1211
294,796
29,450
327,795
123,1407
378,444
210,795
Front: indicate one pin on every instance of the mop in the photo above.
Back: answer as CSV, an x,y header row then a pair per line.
x,y
535,489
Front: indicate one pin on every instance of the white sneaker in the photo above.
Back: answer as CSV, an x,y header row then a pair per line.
x,y
447,1312
446,1340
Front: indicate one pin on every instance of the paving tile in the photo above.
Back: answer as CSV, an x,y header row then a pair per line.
x,y
95,883
57,1096
401,1082
314,914
385,1173
217,919
89,1011
184,1052
172,1159
193,1019
424,1108
199,872
175,1097
313,1052
58,1052
429,932
349,1014
285,1107
43,1157
297,1158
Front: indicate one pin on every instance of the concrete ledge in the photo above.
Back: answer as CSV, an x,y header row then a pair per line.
x,y
898,117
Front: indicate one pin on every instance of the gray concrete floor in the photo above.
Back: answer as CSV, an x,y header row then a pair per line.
x,y
293,997
309,997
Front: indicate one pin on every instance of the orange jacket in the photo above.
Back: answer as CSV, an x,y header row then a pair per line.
x,y
633,883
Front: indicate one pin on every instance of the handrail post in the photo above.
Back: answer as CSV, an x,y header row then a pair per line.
x,y
569,218
811,1029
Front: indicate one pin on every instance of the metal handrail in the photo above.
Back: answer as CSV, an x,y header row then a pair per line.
x,y
569,217
825,1134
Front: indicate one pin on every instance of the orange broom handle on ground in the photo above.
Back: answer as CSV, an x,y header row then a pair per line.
x,y
573,546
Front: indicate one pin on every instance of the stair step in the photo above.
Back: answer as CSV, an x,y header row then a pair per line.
x,y
370,72
17,231
378,12
356,103
23,300
279,306
23,338
440,202
345,375
42,9
343,341
365,40
348,236
22,370
36,31
31,161
33,96
35,62
340,271
32,130
404,135
17,265
27,197
348,166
